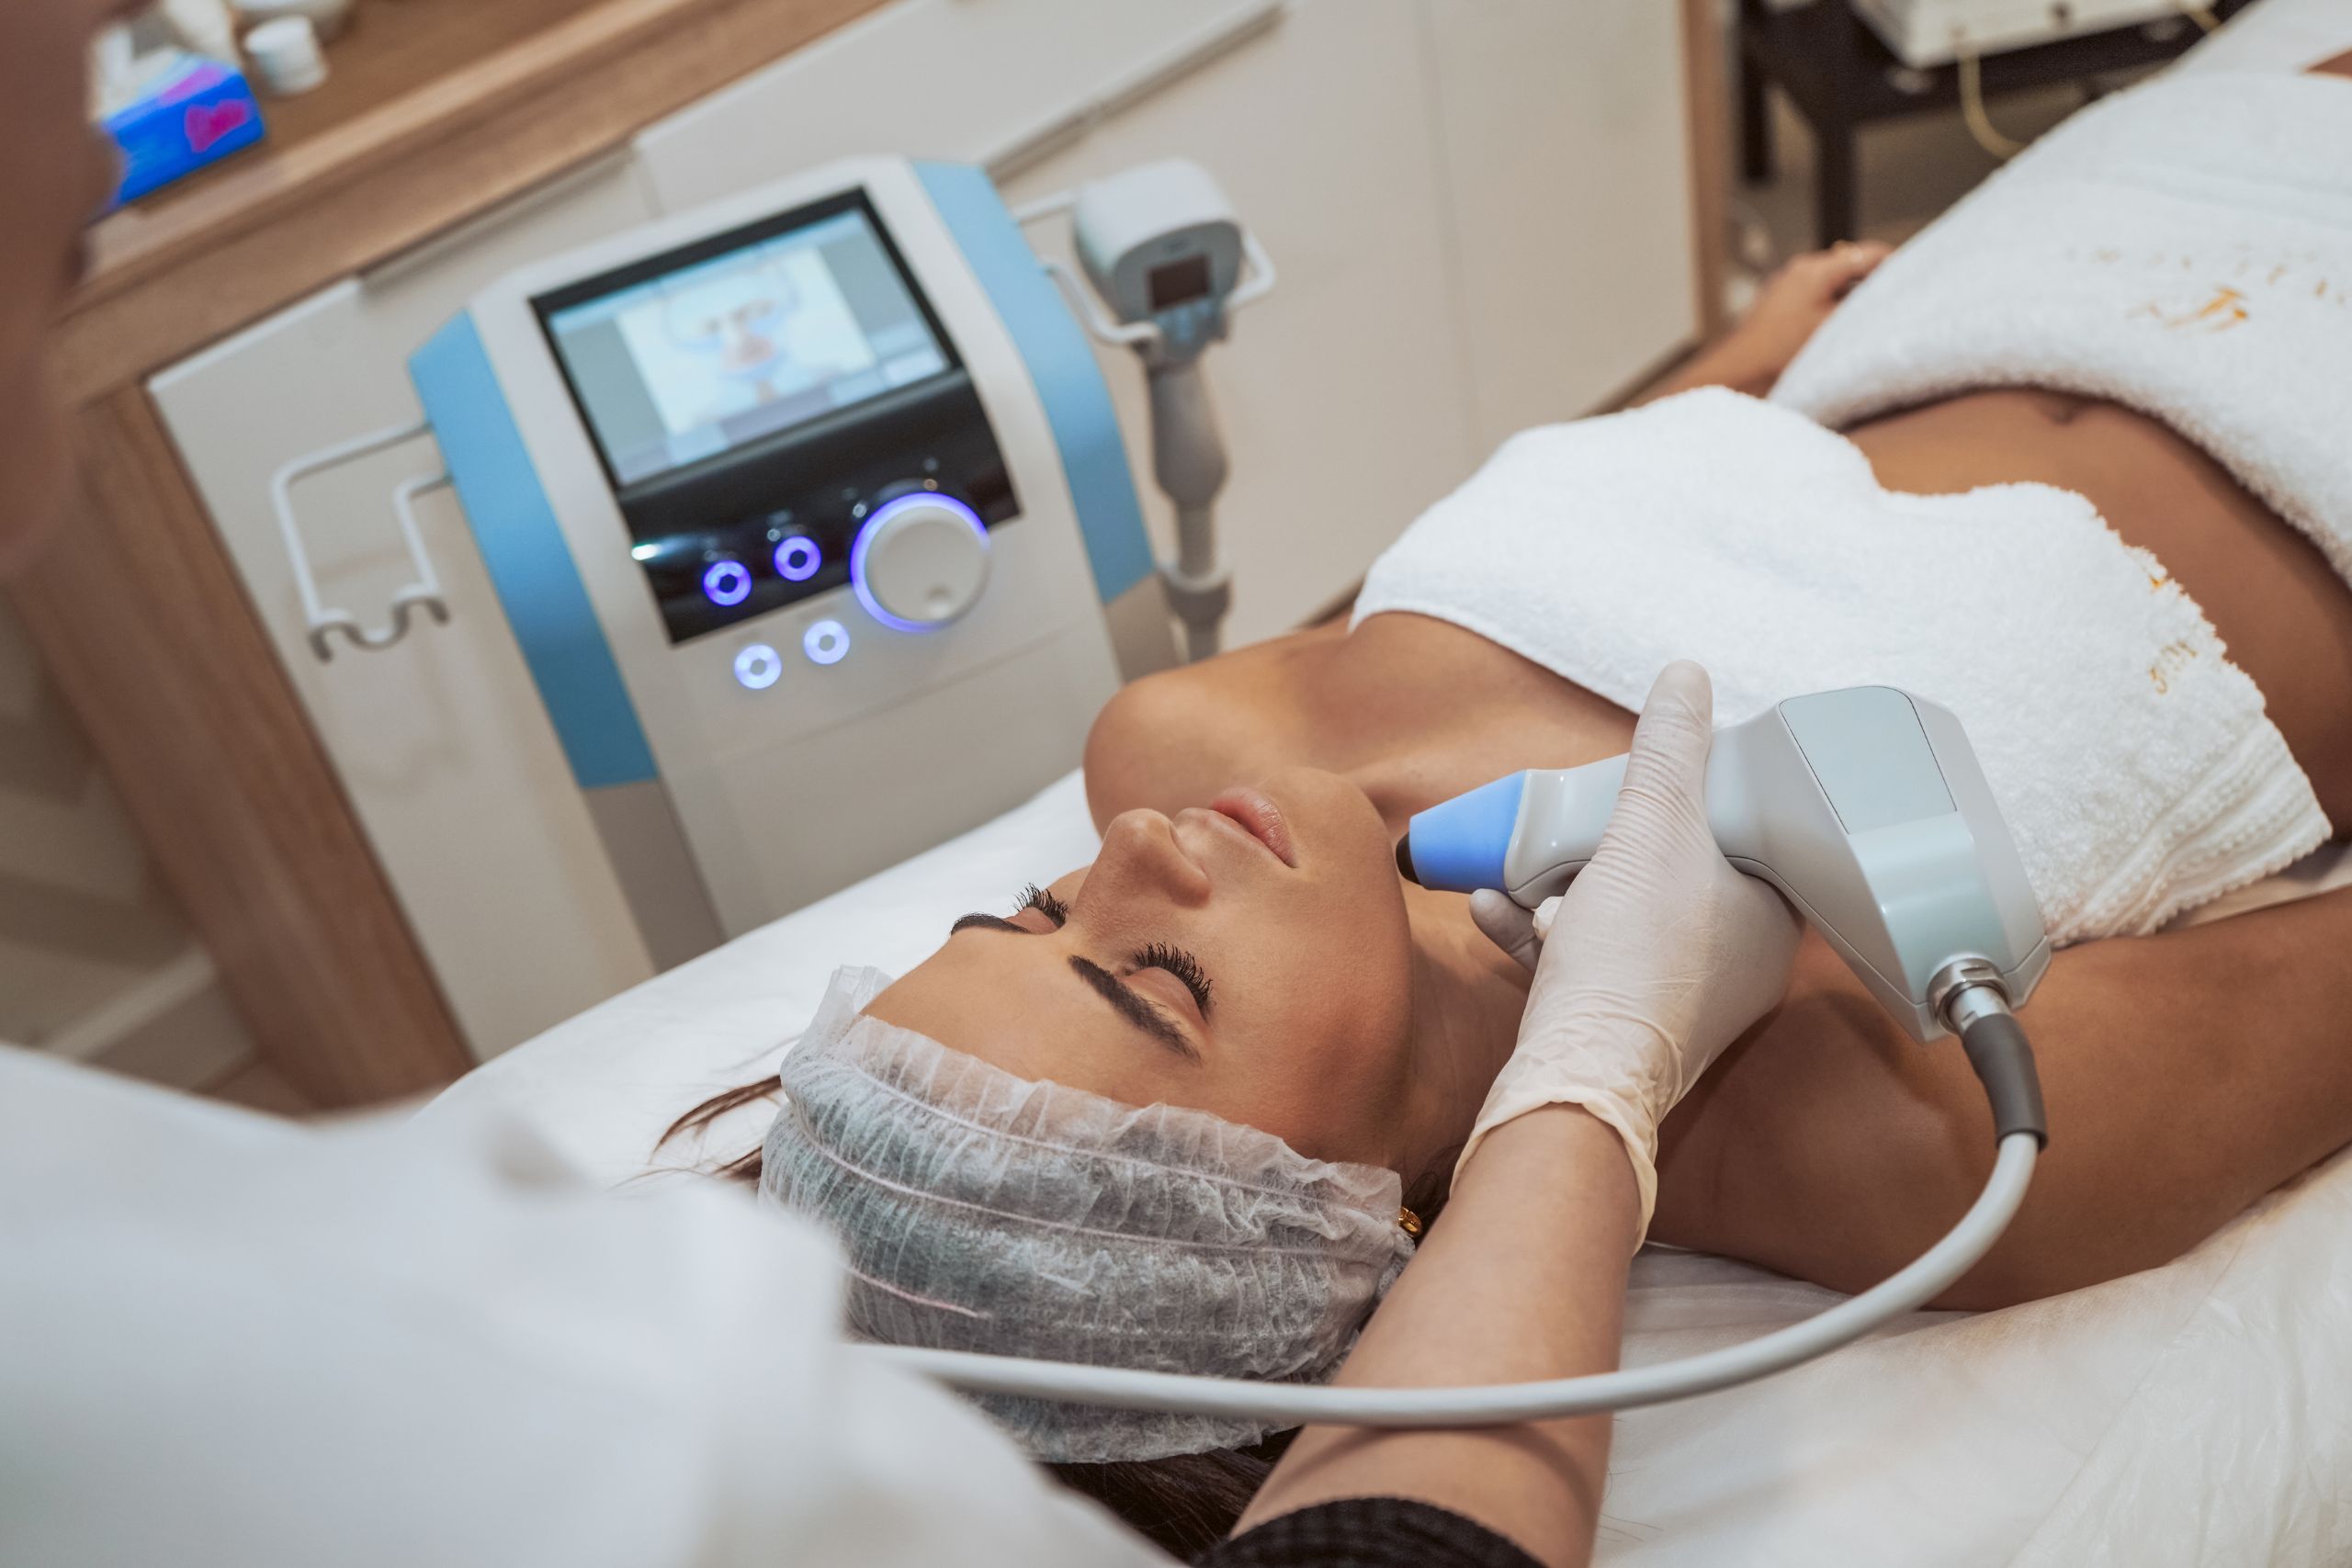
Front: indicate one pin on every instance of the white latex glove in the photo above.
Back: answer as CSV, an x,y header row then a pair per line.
x,y
1657,956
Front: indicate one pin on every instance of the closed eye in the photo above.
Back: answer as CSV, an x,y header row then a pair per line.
x,y
1147,1017
1185,966
1038,899
1030,897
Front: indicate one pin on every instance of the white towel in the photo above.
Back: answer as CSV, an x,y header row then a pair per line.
x,y
2132,761
2280,36
2184,248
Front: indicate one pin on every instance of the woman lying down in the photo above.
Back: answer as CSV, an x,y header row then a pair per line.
x,y
2072,463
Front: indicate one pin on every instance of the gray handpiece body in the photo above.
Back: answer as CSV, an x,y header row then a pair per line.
x,y
1866,808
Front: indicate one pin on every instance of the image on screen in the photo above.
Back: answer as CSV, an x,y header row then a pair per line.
x,y
700,359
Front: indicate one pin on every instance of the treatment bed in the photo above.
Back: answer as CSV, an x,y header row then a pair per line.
x,y
2191,1415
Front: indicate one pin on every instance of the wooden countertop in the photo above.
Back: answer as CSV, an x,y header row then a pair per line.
x,y
435,111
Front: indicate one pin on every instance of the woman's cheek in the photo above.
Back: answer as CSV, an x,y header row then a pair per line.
x,y
1358,1029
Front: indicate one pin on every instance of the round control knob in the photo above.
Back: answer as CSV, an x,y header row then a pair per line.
x,y
920,561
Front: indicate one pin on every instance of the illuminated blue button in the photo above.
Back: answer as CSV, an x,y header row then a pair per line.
x,y
827,642
757,666
798,559
726,583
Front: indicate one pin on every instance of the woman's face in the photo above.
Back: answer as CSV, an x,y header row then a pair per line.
x,y
1251,959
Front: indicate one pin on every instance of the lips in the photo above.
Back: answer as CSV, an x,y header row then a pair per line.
x,y
1260,817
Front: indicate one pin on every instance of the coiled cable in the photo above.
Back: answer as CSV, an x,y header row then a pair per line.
x,y
1998,1050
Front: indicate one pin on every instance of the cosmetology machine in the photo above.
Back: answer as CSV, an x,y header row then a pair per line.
x,y
1866,809
810,512
1936,32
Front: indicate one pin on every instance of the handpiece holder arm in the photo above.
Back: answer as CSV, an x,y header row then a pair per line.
x,y
1257,282
1142,336
1189,460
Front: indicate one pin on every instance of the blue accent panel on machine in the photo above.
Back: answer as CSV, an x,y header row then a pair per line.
x,y
530,566
1061,364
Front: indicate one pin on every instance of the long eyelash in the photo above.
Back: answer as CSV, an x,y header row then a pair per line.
x,y
1036,897
1183,966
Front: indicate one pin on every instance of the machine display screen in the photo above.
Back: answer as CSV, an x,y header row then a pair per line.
x,y
1177,282
697,353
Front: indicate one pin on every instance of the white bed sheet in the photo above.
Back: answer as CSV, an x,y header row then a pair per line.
x,y
2195,1414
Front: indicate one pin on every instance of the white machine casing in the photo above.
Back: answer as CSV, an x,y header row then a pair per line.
x,y
1923,33
1147,219
765,799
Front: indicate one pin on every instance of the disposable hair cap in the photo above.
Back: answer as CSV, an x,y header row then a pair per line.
x,y
984,1211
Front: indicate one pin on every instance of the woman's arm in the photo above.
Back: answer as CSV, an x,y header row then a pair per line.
x,y
2185,1075
1658,957
1524,1279
1792,305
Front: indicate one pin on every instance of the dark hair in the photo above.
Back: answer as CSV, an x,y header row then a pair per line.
x,y
1184,1503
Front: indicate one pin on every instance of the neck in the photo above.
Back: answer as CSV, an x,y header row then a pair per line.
x,y
1467,999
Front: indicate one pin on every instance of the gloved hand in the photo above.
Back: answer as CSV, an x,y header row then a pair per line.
x,y
1657,956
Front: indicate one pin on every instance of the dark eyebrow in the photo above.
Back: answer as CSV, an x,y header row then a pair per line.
x,y
1142,1014
1130,1007
989,923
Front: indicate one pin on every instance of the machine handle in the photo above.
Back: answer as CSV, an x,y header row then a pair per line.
x,y
1090,310
423,593
1258,281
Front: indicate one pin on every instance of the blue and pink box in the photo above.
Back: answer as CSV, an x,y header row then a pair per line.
x,y
195,112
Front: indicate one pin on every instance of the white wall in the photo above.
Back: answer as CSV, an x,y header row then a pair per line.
x,y
1480,214
1566,151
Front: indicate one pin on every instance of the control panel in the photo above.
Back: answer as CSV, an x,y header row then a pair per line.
x,y
781,414
805,509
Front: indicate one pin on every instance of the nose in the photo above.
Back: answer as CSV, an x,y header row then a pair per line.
x,y
1141,858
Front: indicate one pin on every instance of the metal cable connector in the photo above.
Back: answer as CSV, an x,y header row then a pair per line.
x,y
1972,1000
1971,987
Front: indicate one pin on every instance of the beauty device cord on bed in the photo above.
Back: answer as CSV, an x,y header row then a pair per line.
x,y
1866,809
1978,1010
